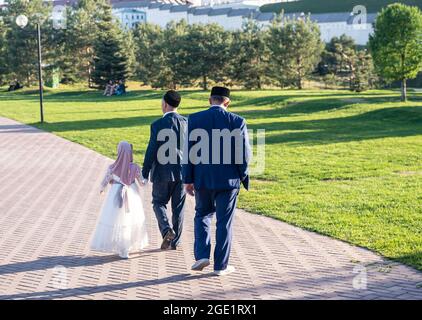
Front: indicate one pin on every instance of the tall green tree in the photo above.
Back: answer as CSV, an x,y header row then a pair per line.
x,y
150,60
250,55
82,29
295,49
362,72
338,57
3,43
396,44
111,60
207,53
174,45
21,54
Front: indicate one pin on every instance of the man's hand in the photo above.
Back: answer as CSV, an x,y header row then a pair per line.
x,y
190,189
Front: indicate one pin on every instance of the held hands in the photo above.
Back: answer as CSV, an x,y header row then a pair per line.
x,y
144,180
190,189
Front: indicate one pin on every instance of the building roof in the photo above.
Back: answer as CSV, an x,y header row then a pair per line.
x,y
265,16
180,8
130,10
330,17
200,11
166,6
154,5
219,11
130,4
244,12
318,17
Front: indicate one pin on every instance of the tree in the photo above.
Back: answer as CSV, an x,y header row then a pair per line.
x,y
148,40
295,49
82,29
161,55
21,53
175,49
206,53
111,60
362,72
396,44
3,68
338,58
250,55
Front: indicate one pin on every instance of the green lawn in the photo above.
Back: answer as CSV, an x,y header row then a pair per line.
x,y
324,6
342,164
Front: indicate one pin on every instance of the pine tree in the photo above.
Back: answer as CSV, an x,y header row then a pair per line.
x,y
3,44
111,60
148,40
176,47
336,55
295,49
363,72
21,52
250,55
82,29
207,53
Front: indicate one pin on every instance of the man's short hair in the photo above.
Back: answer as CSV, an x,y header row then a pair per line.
x,y
218,99
172,98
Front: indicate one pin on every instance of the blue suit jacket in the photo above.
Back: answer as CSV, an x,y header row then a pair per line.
x,y
226,173
168,172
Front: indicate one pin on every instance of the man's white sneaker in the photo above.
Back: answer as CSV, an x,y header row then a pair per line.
x,y
225,272
201,264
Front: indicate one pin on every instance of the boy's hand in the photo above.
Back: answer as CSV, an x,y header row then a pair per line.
x,y
190,189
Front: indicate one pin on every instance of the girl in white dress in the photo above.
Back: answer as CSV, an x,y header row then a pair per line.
x,y
121,228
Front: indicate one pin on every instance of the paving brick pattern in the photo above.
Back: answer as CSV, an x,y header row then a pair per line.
x,y
49,205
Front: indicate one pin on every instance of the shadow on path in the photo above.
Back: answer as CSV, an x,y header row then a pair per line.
x,y
68,293
45,263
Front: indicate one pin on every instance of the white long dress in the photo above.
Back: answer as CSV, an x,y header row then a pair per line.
x,y
120,229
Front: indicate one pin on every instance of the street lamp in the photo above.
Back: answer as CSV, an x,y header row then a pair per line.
x,y
22,22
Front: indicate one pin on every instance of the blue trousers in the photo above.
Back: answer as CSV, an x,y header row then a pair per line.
x,y
162,193
223,204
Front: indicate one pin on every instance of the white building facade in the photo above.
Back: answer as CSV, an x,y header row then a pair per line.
x,y
130,17
230,14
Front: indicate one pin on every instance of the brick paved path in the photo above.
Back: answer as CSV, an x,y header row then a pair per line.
x,y
48,211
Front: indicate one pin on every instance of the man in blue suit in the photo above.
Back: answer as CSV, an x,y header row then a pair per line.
x,y
166,172
217,164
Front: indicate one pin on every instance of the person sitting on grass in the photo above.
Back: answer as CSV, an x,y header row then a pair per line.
x,y
109,89
121,88
15,85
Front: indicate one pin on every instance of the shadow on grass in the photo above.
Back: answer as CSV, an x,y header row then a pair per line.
x,y
292,108
83,125
382,123
86,96
413,260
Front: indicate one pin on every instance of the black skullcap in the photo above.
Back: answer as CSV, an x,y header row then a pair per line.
x,y
220,91
172,98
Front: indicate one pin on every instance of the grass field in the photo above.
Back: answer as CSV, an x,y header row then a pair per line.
x,y
324,6
342,164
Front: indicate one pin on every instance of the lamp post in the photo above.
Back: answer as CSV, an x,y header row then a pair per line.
x,y
22,22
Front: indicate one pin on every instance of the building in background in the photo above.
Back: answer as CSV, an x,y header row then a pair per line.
x,y
130,17
230,14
